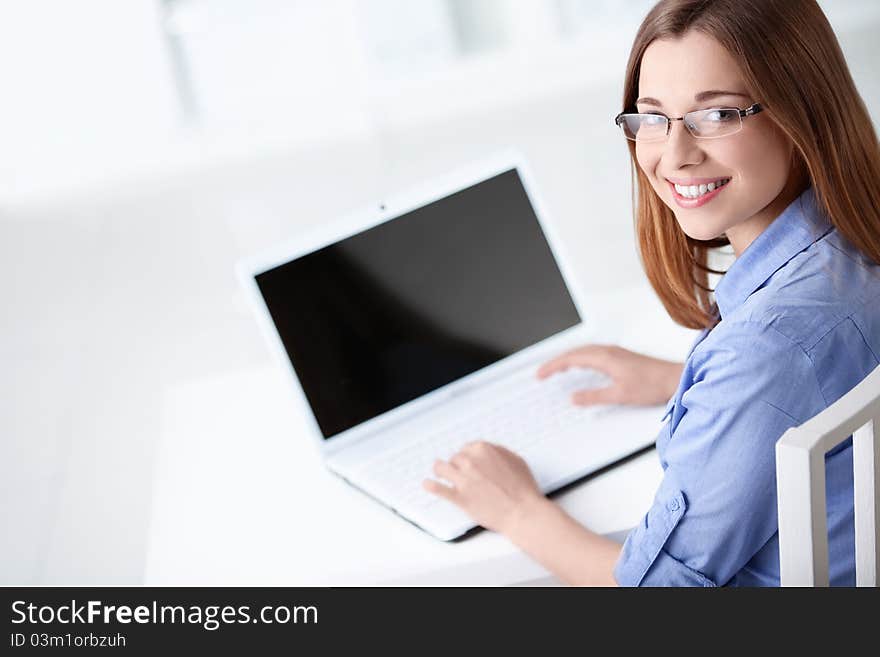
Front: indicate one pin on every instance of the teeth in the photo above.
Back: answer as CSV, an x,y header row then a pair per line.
x,y
695,191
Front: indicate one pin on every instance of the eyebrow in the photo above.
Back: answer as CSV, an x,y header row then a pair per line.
x,y
700,97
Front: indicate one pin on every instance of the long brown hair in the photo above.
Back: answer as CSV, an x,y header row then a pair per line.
x,y
793,65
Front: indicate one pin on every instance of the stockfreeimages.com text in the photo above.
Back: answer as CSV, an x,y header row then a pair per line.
x,y
210,617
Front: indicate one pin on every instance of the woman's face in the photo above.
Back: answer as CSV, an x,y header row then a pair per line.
x,y
684,74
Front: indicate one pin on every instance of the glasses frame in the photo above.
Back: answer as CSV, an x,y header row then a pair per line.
x,y
743,113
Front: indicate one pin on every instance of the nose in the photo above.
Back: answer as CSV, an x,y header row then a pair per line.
x,y
682,148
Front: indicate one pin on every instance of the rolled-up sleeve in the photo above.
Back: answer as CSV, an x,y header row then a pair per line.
x,y
716,504
644,547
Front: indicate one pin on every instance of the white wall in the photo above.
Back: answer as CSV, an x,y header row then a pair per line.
x,y
81,80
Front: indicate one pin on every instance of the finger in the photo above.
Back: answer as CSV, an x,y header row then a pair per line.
x,y
591,396
467,461
553,367
440,490
592,356
448,472
509,452
473,455
475,446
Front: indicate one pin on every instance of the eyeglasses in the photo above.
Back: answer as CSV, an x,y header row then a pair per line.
x,y
702,124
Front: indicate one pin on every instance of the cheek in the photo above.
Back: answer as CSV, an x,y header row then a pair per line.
x,y
765,163
645,159
648,159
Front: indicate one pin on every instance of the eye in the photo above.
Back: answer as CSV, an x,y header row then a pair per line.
x,y
653,119
721,115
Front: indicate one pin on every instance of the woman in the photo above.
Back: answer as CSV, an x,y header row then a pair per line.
x,y
745,129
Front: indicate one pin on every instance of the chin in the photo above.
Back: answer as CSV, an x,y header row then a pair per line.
x,y
699,231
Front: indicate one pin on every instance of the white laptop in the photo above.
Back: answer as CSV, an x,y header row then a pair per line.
x,y
417,325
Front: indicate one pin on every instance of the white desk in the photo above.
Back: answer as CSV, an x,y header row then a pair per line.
x,y
241,496
238,500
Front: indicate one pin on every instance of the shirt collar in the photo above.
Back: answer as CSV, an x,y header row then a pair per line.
x,y
801,224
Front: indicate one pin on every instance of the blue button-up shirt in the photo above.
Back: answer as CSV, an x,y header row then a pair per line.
x,y
800,326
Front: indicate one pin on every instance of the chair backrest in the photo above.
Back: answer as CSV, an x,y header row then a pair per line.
x,y
800,486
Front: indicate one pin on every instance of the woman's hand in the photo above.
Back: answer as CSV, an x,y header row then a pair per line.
x,y
495,487
490,483
636,379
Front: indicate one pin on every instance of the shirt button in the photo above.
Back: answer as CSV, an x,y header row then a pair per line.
x,y
673,505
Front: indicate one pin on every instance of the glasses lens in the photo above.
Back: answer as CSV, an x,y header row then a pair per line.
x,y
718,122
643,127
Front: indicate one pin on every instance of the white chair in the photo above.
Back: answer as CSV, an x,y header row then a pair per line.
x,y
800,485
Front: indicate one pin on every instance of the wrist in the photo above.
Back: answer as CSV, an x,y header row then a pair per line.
x,y
673,376
526,516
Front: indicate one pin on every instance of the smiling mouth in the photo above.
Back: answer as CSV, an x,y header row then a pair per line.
x,y
695,196
696,191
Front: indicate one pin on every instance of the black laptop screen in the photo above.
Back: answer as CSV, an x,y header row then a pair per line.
x,y
396,311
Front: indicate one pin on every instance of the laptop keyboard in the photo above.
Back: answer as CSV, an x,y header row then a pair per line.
x,y
519,416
